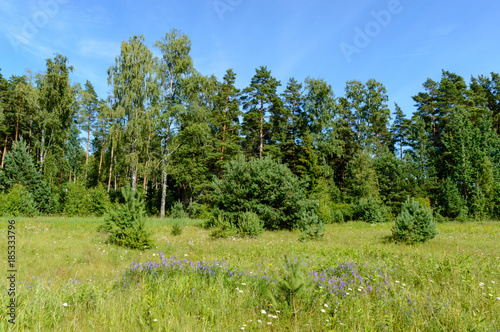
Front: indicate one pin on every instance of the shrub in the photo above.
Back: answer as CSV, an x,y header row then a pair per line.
x,y
342,212
20,169
18,201
249,224
116,196
338,216
198,211
369,210
126,222
177,211
76,201
176,229
453,205
312,226
325,193
424,201
290,287
264,187
223,227
99,200
415,223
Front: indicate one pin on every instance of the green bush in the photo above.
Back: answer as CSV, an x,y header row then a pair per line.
x,y
325,193
99,200
415,223
264,187
312,226
453,205
125,222
342,212
338,216
291,286
18,202
249,224
222,226
76,200
21,170
369,210
176,229
177,211
424,201
198,211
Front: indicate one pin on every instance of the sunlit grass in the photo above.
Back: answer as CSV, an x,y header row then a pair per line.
x,y
449,283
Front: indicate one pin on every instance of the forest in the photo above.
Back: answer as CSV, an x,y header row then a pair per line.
x,y
171,133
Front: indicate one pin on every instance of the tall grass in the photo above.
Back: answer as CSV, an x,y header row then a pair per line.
x,y
356,280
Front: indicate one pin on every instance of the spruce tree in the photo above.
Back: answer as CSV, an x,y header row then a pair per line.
x,y
20,169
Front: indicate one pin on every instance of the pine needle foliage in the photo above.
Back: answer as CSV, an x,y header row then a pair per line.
x,y
290,286
265,187
249,224
125,222
415,223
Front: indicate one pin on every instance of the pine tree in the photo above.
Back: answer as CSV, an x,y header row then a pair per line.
x,y
399,130
293,103
260,100
88,114
353,111
461,149
4,118
415,223
377,114
224,122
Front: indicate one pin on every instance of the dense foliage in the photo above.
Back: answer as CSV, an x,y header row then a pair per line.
x,y
415,223
169,138
126,223
266,188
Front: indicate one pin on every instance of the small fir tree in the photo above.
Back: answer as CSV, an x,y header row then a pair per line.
x,y
126,223
415,223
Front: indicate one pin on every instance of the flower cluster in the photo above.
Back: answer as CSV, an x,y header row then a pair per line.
x,y
345,280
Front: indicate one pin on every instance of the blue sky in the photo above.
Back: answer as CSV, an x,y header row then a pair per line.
x,y
398,43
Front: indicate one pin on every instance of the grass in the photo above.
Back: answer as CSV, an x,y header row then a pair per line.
x,y
451,283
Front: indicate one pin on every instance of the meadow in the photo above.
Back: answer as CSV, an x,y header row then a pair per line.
x,y
355,279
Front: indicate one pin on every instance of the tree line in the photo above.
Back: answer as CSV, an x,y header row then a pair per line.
x,y
169,131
